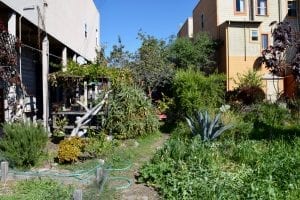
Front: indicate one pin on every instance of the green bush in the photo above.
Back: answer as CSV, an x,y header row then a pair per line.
x,y
249,79
248,90
193,91
131,113
23,143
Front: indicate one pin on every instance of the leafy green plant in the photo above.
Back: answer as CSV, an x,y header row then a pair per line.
x,y
249,79
131,113
23,143
98,146
164,104
207,128
60,123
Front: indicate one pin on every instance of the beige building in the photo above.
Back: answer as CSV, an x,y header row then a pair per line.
x,y
243,27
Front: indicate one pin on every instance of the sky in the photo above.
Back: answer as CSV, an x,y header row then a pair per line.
x,y
124,18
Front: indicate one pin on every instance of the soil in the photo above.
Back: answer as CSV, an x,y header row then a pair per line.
x,y
141,191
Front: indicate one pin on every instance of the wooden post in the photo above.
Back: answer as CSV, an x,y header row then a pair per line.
x,y
77,195
99,175
45,72
4,171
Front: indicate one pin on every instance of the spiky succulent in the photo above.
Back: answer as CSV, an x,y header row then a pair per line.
x,y
207,128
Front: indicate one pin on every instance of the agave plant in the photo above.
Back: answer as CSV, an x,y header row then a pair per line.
x,y
207,128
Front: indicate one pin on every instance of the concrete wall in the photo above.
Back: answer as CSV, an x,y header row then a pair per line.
x,y
65,20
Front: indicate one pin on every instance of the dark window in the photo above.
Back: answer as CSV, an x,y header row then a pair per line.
x,y
85,30
292,9
254,35
262,7
264,41
202,21
240,5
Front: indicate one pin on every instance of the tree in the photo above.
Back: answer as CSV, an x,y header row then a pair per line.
x,y
118,56
197,53
182,53
205,48
151,67
284,55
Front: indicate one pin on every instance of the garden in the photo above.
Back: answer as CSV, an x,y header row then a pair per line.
x,y
210,144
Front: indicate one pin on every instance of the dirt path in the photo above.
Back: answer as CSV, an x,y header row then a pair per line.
x,y
141,191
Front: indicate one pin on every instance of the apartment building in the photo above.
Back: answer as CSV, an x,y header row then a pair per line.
x,y
71,30
243,27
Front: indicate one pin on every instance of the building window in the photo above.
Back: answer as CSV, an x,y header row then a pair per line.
x,y
292,9
264,41
202,21
261,7
96,36
85,30
240,6
254,35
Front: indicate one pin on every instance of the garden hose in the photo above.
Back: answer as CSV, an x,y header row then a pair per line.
x,y
83,175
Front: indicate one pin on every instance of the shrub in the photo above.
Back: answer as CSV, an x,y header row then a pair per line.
x,y
250,95
248,89
269,114
249,79
69,150
193,91
131,113
23,143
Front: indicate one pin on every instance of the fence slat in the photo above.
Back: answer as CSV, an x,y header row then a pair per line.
x,y
4,171
77,195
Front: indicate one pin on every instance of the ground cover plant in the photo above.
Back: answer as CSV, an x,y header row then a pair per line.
x,y
250,167
39,189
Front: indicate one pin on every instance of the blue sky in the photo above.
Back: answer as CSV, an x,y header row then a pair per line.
x,y
124,18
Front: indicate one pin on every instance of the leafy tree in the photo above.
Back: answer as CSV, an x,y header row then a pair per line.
x,y
182,53
118,56
151,67
205,48
197,53
284,55
100,59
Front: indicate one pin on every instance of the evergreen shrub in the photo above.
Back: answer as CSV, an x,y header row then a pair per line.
x,y
23,143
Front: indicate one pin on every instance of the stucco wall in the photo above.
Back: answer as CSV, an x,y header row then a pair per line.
x,y
65,20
